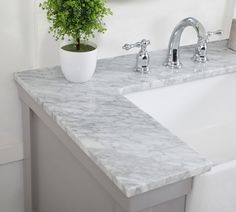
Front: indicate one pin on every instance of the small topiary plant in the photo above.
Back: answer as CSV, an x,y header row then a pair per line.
x,y
78,19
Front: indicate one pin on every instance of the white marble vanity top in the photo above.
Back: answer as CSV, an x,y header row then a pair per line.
x,y
130,147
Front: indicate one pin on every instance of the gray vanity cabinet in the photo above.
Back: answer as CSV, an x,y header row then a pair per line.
x,y
59,177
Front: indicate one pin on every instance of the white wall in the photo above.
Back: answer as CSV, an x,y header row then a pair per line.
x,y
25,43
11,187
15,54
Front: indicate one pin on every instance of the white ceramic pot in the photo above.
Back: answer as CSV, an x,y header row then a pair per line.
x,y
78,66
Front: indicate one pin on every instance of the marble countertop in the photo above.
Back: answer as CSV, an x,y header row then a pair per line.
x,y
136,152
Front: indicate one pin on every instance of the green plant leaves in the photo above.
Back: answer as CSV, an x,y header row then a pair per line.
x,y
78,19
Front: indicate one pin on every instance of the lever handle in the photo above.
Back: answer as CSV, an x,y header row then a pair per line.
x,y
217,32
129,46
143,44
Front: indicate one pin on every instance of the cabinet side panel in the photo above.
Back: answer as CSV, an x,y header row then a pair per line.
x,y
176,205
60,182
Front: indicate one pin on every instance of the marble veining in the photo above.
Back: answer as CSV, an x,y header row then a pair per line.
x,y
136,152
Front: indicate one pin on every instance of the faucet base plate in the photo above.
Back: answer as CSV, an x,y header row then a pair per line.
x,y
172,65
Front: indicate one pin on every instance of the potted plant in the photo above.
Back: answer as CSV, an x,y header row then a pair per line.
x,y
78,20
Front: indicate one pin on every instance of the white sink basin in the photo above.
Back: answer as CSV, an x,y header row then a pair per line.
x,y
201,113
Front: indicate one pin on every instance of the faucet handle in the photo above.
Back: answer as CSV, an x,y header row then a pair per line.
x,y
142,63
143,44
201,49
217,32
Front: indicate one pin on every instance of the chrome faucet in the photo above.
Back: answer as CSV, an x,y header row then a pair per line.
x,y
142,64
200,55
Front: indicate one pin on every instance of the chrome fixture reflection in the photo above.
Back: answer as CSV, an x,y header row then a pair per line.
x,y
143,57
200,55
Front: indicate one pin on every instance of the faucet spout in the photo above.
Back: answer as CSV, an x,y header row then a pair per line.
x,y
173,57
